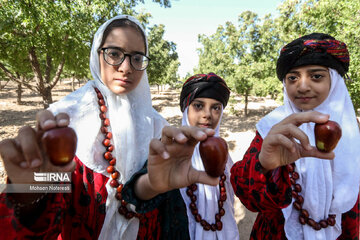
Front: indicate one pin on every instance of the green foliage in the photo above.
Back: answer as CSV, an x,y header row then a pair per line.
x,y
339,18
42,40
164,58
245,55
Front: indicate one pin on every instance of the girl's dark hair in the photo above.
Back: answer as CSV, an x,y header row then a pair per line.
x,y
118,23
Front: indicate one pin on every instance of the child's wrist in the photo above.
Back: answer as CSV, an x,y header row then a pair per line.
x,y
143,188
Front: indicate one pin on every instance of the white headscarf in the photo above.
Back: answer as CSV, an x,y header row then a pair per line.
x,y
328,187
207,200
134,123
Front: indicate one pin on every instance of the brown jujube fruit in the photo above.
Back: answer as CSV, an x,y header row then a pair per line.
x,y
214,154
60,145
327,135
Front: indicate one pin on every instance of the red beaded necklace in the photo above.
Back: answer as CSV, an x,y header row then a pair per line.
x,y
299,200
109,148
217,226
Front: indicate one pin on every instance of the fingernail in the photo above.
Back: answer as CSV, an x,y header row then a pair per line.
x,y
209,130
324,116
308,147
35,163
180,137
23,164
200,134
49,123
165,155
63,122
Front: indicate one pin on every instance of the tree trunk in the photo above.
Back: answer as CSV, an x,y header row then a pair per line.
x,y
246,103
19,92
47,97
72,84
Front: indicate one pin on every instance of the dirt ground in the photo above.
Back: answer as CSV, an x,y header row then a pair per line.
x,y
236,129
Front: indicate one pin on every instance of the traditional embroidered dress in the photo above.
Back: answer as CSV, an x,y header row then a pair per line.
x,y
177,201
91,210
208,86
269,194
328,187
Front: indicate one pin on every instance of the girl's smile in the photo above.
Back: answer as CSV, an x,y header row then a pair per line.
x,y
308,86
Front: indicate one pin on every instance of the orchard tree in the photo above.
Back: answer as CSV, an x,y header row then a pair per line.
x,y
246,55
243,55
164,58
215,54
339,18
42,39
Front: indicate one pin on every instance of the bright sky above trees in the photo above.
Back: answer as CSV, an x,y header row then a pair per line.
x,y
188,18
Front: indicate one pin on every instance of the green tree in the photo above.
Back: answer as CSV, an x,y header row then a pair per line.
x,y
164,58
243,55
339,18
215,54
42,39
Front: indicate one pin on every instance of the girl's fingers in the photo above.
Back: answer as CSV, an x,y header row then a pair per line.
x,y
304,117
281,140
45,120
11,152
314,152
292,131
28,145
204,178
62,120
157,147
185,134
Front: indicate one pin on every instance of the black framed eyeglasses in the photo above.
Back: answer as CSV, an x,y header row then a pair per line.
x,y
115,56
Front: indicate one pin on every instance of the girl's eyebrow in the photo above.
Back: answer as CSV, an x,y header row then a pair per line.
x,y
123,50
310,70
293,71
317,70
216,104
198,101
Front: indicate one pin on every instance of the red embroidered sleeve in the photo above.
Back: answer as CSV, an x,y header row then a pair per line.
x,y
268,194
350,223
75,215
259,192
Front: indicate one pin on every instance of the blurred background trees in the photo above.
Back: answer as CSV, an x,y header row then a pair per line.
x,y
43,41
249,49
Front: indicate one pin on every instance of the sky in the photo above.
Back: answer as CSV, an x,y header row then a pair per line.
x,y
186,19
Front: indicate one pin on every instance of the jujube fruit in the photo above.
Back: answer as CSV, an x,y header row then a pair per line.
x,y
214,154
327,135
60,145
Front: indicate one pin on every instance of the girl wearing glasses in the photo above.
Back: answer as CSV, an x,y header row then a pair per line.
x,y
114,122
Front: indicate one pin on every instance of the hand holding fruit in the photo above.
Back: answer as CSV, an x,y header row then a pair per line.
x,y
279,146
24,155
169,163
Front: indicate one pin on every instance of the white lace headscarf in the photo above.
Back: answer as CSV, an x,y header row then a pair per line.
x,y
134,123
207,199
328,187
